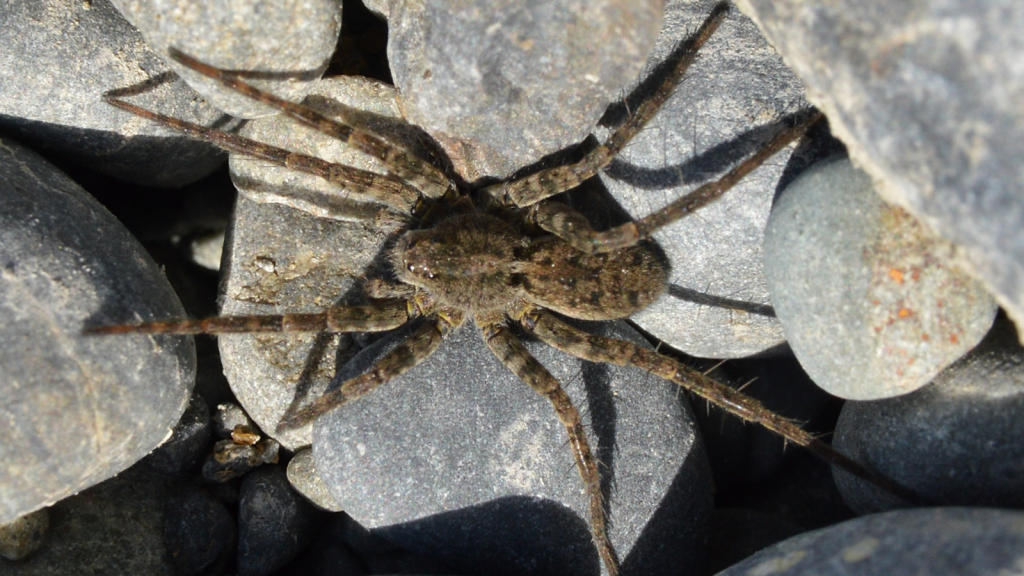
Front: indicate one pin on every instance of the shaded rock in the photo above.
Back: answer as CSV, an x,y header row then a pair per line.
x,y
938,541
870,302
459,460
199,532
737,533
502,83
67,264
274,522
23,536
112,528
282,47
729,105
955,441
926,95
189,441
56,62
306,480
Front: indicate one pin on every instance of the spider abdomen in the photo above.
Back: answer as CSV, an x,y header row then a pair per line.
x,y
605,286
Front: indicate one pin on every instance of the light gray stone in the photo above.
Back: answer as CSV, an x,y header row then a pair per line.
x,y
283,47
58,58
67,264
870,300
926,96
306,480
460,460
953,442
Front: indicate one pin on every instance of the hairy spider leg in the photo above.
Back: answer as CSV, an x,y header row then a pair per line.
x,y
594,348
519,361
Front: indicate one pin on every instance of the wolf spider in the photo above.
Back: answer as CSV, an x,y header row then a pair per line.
x,y
501,255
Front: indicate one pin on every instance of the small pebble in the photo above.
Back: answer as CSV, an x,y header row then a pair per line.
x,y
953,442
23,536
199,532
304,478
869,300
228,417
934,541
189,442
274,522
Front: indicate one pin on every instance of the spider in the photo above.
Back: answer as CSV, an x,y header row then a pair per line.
x,y
503,255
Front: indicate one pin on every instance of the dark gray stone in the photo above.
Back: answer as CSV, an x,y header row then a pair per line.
x,y
77,409
189,442
230,460
228,417
737,533
729,105
23,536
871,301
460,460
935,541
114,528
926,95
56,62
274,522
285,45
501,83
954,442
199,532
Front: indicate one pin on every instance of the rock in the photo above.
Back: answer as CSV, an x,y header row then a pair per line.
x,y
925,95
459,460
23,536
282,47
189,441
937,541
274,522
66,264
306,480
230,417
56,62
500,83
737,533
953,442
729,105
199,532
869,299
112,528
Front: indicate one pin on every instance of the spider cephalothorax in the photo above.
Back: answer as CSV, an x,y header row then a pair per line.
x,y
504,255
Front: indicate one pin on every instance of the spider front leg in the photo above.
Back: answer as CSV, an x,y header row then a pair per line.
x,y
600,349
520,362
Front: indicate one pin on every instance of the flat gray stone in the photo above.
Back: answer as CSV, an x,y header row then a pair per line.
x,y
926,96
56,62
67,264
727,107
936,541
460,460
870,300
284,46
954,442
501,83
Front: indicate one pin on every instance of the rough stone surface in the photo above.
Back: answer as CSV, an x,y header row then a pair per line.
x,y
57,59
501,83
67,264
926,95
869,300
936,541
199,532
23,536
729,105
306,480
460,460
189,441
113,528
286,260
283,47
274,522
228,417
955,441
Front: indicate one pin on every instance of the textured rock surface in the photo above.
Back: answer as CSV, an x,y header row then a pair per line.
x,y
459,459
303,476
729,104
937,541
926,95
274,522
955,441
502,83
869,300
199,532
66,264
23,536
283,47
57,59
